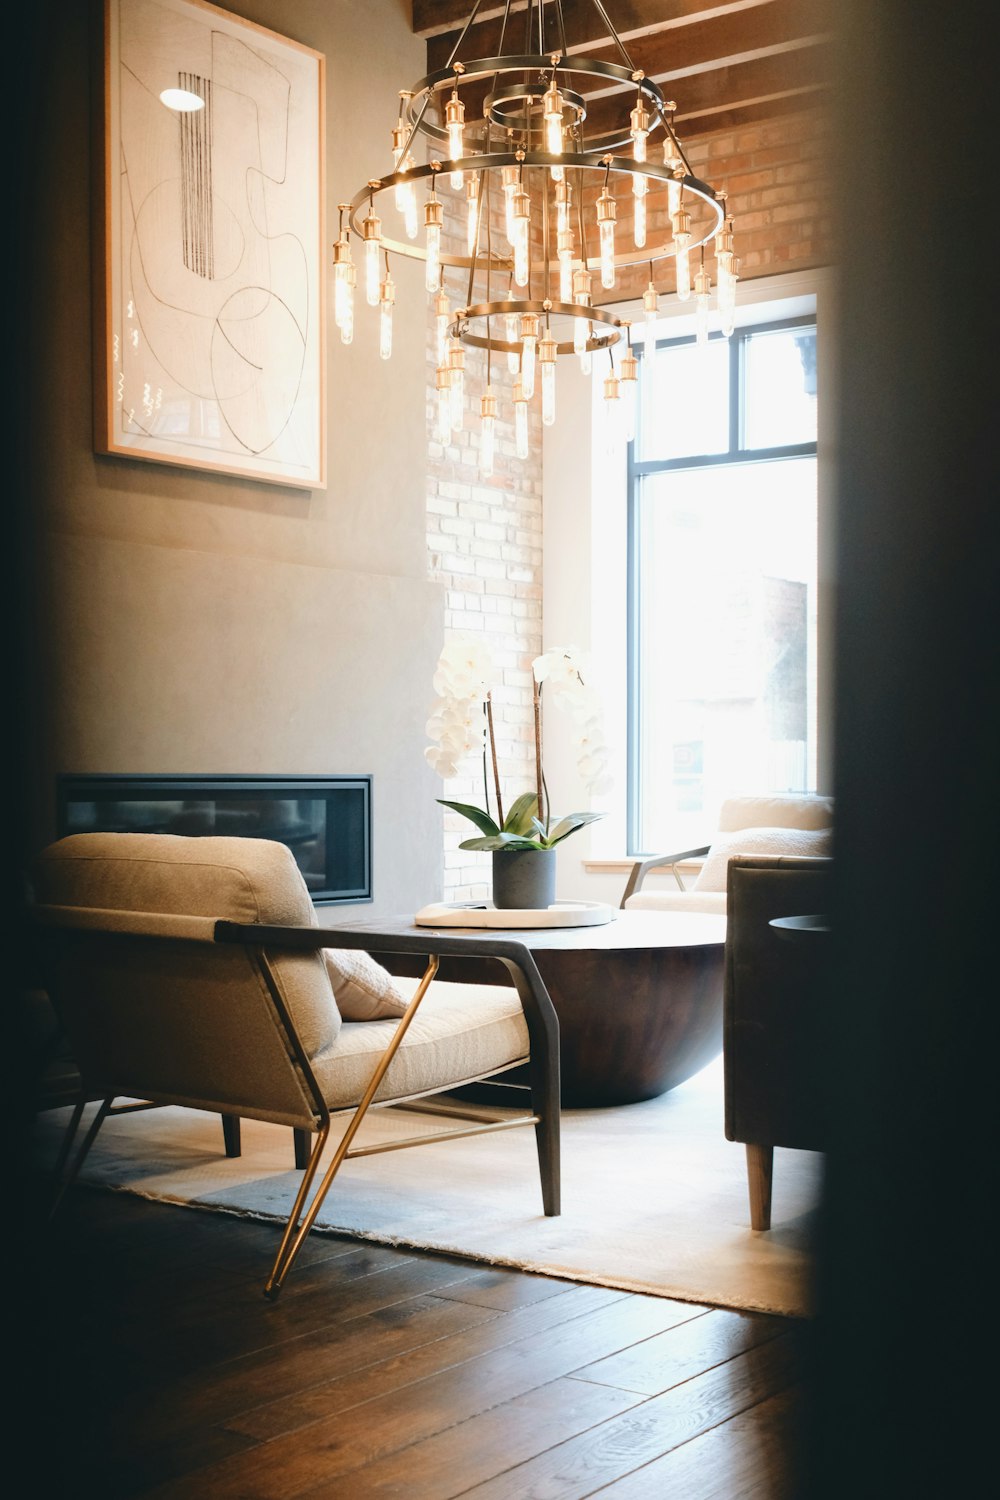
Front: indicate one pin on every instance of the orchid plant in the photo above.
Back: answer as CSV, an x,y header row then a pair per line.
x,y
461,724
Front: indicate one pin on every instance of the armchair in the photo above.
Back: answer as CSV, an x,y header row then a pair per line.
x,y
191,971
773,1012
780,823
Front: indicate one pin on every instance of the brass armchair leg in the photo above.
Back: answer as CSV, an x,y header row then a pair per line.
x,y
67,1180
290,1247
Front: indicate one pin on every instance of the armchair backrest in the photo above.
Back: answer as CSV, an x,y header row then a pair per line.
x,y
154,1008
778,810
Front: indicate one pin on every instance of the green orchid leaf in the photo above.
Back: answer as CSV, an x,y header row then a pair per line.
x,y
522,814
482,820
500,841
570,824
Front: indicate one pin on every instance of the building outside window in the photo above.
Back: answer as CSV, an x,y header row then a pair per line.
x,y
722,577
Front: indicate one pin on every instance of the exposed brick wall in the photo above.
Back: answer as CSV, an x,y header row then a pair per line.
x,y
484,540
484,536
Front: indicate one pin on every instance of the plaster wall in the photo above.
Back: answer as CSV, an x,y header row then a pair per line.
x,y
178,621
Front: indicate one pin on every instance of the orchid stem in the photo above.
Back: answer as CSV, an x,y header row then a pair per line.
x,y
493,753
536,696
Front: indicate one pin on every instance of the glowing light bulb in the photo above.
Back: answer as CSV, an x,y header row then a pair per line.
x,y
702,288
564,203
433,220
344,277
405,196
471,213
347,325
639,129
520,419
628,385
510,179
547,352
372,230
581,325
456,369
529,342
522,221
639,213
682,238
487,435
564,242
607,212
454,119
443,384
387,296
512,334
442,322
727,298
552,116
674,163
650,307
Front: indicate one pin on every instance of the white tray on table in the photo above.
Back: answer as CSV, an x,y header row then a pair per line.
x,y
560,914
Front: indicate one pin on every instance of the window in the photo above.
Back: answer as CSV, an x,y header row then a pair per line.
x,y
722,578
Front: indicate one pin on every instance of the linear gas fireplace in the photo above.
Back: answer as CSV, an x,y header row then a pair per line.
x,y
324,820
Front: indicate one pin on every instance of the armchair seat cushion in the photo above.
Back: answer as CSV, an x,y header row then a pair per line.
x,y
692,900
460,1032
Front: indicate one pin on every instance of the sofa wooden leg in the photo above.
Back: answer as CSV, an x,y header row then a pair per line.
x,y
760,1169
302,1149
231,1134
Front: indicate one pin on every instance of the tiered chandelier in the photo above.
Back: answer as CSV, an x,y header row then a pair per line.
x,y
542,194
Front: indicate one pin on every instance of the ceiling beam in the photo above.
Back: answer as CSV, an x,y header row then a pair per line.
x,y
432,18
737,36
706,95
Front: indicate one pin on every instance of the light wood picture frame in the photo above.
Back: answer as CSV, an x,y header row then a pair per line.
x,y
210,343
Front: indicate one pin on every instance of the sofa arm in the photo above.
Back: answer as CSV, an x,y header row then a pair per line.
x,y
774,1003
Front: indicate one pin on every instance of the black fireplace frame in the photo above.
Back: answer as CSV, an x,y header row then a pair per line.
x,y
347,875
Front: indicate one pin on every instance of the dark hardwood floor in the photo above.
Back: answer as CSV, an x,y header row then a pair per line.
x,y
153,1365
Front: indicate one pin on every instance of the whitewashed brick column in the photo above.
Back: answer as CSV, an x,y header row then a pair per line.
x,y
484,542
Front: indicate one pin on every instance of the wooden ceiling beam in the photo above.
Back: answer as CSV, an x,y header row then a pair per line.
x,y
432,18
780,25
729,88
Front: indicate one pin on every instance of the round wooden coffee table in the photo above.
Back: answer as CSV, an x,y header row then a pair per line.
x,y
639,999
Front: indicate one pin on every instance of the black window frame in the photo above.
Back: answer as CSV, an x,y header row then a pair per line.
x,y
637,471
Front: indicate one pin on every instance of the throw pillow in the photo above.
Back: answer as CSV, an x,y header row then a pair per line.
x,y
364,990
812,842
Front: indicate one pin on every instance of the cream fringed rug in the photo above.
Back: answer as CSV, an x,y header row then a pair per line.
x,y
654,1196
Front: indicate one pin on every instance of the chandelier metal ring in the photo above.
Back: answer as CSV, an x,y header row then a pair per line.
x,y
574,105
415,112
592,161
584,310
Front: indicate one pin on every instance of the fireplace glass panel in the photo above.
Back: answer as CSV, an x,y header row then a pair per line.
x,y
324,821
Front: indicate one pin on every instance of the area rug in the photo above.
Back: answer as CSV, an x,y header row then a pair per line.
x,y
654,1198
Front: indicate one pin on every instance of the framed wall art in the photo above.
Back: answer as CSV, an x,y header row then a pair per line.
x,y
210,328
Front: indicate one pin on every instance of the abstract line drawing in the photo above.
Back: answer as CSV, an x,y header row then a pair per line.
x,y
212,294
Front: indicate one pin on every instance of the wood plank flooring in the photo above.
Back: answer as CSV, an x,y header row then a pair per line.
x,y
154,1366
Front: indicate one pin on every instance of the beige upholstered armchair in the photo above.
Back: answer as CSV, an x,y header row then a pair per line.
x,y
191,971
780,823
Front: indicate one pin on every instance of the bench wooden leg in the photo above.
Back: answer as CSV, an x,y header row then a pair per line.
x,y
760,1169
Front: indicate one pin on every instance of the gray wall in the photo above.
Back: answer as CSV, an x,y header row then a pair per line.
x,y
176,621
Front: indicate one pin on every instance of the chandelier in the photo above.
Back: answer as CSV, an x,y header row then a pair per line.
x,y
549,207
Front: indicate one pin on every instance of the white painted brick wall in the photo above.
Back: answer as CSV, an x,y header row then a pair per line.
x,y
484,542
